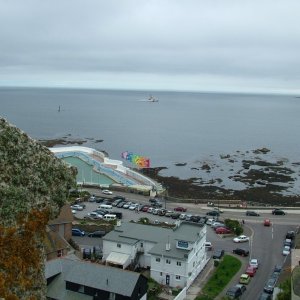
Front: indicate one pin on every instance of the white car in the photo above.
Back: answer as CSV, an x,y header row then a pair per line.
x,y
133,206
127,205
74,211
286,250
254,263
241,239
77,207
107,192
182,216
93,216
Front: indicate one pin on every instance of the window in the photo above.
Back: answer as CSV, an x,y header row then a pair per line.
x,y
59,253
119,245
179,263
142,245
177,277
168,261
193,264
161,274
157,259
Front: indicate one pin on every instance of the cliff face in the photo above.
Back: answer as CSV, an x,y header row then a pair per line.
x,y
33,186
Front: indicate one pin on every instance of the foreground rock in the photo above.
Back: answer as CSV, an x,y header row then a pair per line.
x,y
33,187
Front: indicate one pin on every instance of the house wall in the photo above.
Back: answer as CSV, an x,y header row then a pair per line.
x,y
110,246
145,258
189,269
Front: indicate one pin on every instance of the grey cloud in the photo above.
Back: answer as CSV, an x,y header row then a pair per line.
x,y
216,40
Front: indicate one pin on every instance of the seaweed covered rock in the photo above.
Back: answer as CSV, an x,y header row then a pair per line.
x,y
34,185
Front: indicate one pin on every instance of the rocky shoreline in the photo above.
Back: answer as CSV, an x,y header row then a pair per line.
x,y
264,181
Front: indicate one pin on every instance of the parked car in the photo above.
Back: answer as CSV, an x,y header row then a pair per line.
x,y
162,212
254,263
86,253
270,285
218,253
241,239
157,204
97,251
286,250
209,221
287,242
98,233
127,205
188,217
107,192
93,216
278,211
222,230
145,208
180,209
77,232
182,216
208,246
265,296
133,206
92,199
116,202
252,213
117,197
168,213
217,224
241,252
235,292
99,199
267,222
290,235
175,215
250,271
213,213
77,207
195,219
121,204
277,269
118,214
244,279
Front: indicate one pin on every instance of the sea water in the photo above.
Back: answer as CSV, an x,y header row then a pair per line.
x,y
185,128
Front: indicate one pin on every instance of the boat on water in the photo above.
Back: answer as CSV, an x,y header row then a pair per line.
x,y
152,99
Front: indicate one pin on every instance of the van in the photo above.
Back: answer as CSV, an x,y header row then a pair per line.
x,y
109,217
105,206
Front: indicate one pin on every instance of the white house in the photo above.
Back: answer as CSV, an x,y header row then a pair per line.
x,y
175,256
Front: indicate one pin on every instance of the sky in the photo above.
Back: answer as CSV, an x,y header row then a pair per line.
x,y
190,45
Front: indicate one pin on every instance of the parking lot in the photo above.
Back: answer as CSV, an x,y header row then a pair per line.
x,y
265,242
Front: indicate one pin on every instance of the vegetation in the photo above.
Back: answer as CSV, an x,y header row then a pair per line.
x,y
234,226
227,268
285,294
154,289
34,186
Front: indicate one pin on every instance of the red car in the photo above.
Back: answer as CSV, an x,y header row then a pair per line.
x,y
267,222
145,208
180,209
222,230
250,271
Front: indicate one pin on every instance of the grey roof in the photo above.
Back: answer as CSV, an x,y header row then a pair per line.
x,y
97,276
139,232
160,250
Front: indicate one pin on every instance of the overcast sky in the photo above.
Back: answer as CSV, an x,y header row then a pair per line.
x,y
200,45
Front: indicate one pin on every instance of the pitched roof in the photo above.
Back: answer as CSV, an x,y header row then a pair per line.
x,y
65,216
131,233
93,275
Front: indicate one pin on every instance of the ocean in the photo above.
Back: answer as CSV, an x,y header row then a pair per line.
x,y
189,129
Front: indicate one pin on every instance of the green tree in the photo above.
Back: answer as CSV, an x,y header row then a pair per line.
x,y
234,226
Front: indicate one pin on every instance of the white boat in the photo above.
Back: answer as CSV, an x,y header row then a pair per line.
x,y
152,99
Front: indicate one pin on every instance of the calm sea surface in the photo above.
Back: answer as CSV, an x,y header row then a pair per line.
x,y
181,128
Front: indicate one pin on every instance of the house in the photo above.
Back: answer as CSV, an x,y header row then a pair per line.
x,y
63,223
174,256
72,279
58,233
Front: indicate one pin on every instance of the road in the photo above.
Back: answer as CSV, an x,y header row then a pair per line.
x,y
266,243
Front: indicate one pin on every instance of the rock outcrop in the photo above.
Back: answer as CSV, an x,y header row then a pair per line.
x,y
34,185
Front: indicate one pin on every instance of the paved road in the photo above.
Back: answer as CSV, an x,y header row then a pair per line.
x,y
266,242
